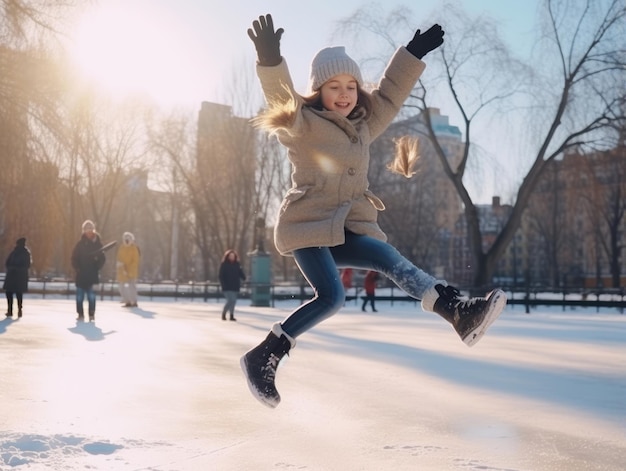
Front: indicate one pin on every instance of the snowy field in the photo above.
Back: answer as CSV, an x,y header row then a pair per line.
x,y
159,388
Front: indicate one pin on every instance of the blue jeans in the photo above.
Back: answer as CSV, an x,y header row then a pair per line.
x,y
231,301
91,300
320,266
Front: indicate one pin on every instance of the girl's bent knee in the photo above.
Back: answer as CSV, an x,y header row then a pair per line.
x,y
338,303
333,300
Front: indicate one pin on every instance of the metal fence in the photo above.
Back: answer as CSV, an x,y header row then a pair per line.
x,y
211,292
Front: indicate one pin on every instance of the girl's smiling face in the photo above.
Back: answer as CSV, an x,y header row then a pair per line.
x,y
340,94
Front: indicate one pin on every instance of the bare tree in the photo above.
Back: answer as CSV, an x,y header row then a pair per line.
x,y
230,173
172,140
273,171
577,91
30,89
546,218
607,210
94,148
209,158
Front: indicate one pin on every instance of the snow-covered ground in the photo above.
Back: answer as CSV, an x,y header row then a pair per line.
x,y
159,388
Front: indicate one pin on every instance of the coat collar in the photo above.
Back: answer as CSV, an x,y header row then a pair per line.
x,y
349,126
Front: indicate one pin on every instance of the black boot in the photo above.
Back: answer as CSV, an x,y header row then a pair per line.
x,y
260,365
470,318
92,316
19,311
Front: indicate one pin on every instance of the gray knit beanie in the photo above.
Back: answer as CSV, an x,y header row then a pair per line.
x,y
328,63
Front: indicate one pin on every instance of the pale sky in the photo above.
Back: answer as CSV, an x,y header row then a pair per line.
x,y
184,51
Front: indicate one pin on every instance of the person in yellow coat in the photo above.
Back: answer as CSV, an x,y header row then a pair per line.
x,y
128,257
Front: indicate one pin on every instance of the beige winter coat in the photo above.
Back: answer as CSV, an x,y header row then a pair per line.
x,y
330,159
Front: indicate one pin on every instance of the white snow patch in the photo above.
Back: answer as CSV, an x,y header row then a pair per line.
x,y
159,388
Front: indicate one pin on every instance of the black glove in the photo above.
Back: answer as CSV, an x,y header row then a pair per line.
x,y
422,44
266,41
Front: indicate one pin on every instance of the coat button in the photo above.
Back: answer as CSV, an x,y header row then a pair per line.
x,y
354,139
351,171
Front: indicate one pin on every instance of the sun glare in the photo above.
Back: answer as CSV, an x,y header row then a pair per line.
x,y
128,52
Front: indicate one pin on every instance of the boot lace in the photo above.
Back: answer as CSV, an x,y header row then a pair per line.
x,y
269,370
461,307
469,303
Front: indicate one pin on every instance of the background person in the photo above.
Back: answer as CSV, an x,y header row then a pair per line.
x,y
369,284
87,261
231,275
346,279
16,280
128,258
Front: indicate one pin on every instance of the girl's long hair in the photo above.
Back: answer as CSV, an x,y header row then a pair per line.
x,y
227,253
281,115
407,153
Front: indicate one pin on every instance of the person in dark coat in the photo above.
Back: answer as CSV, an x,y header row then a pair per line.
x,y
16,280
87,261
231,275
